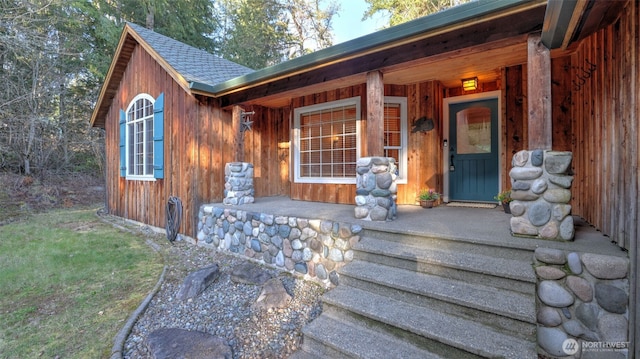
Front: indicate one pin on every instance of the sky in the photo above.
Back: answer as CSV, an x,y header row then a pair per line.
x,y
348,24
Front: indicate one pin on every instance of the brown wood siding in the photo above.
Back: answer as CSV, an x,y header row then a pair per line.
x,y
198,143
424,152
263,148
137,200
605,84
330,193
514,130
561,103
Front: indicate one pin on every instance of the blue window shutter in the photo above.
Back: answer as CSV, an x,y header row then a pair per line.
x,y
123,143
158,137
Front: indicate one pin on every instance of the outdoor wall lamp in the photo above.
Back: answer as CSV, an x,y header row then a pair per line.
x,y
470,84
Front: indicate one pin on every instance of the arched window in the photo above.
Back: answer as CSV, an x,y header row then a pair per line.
x,y
141,138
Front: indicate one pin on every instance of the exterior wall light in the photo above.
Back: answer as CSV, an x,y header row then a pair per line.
x,y
470,84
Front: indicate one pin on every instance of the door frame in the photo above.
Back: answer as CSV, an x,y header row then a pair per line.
x,y
445,133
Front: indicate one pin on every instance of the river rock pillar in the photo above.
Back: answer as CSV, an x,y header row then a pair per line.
x,y
238,186
376,189
541,192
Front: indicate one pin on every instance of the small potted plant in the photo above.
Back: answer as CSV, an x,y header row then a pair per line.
x,y
427,197
504,198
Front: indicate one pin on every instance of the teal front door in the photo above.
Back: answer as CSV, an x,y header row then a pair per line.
x,y
473,150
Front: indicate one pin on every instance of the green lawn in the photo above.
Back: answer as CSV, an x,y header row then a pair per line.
x,y
68,283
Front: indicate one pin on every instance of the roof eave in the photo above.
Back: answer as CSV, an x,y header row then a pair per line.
x,y
101,108
107,80
556,27
392,36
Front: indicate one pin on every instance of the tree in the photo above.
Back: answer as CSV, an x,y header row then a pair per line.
x,y
55,54
261,33
192,22
30,72
310,25
405,10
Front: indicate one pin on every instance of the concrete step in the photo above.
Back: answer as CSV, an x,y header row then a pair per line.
x,y
445,332
507,311
340,336
499,270
460,242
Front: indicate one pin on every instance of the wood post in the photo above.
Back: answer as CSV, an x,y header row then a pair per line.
x,y
375,114
236,130
539,94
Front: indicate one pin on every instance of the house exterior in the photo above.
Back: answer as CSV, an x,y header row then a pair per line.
x,y
555,75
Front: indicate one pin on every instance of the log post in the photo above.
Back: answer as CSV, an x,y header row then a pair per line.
x,y
539,94
236,130
375,114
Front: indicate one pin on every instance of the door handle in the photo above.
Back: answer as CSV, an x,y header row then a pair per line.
x,y
452,167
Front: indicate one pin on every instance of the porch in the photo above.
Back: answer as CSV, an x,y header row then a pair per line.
x,y
477,225
445,282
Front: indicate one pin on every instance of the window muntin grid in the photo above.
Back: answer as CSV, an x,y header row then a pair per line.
x,y
139,134
327,142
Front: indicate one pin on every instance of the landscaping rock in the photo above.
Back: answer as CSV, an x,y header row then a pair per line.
x,y
196,282
273,295
249,273
171,343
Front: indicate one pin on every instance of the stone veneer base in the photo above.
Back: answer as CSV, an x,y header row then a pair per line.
x,y
310,247
541,192
582,297
376,189
238,186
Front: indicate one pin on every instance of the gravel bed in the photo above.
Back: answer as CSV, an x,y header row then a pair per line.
x,y
224,309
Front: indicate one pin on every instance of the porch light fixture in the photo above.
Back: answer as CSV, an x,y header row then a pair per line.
x,y
470,84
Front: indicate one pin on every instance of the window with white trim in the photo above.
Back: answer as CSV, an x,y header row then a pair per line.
x,y
139,137
395,133
327,142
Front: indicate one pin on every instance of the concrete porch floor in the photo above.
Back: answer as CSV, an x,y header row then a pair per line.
x,y
478,225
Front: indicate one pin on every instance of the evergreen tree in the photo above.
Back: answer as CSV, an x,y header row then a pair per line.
x,y
406,10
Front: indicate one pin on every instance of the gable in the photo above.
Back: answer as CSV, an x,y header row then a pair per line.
x,y
184,63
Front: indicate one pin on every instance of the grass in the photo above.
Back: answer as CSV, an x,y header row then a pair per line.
x,y
68,283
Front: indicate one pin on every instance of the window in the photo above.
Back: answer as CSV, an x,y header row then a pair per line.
x,y
141,138
327,142
395,133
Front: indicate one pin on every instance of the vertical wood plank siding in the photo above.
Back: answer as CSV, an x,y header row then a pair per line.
x,y
597,121
198,143
605,72
423,153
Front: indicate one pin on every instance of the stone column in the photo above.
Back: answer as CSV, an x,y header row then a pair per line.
x,y
376,189
238,186
541,191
